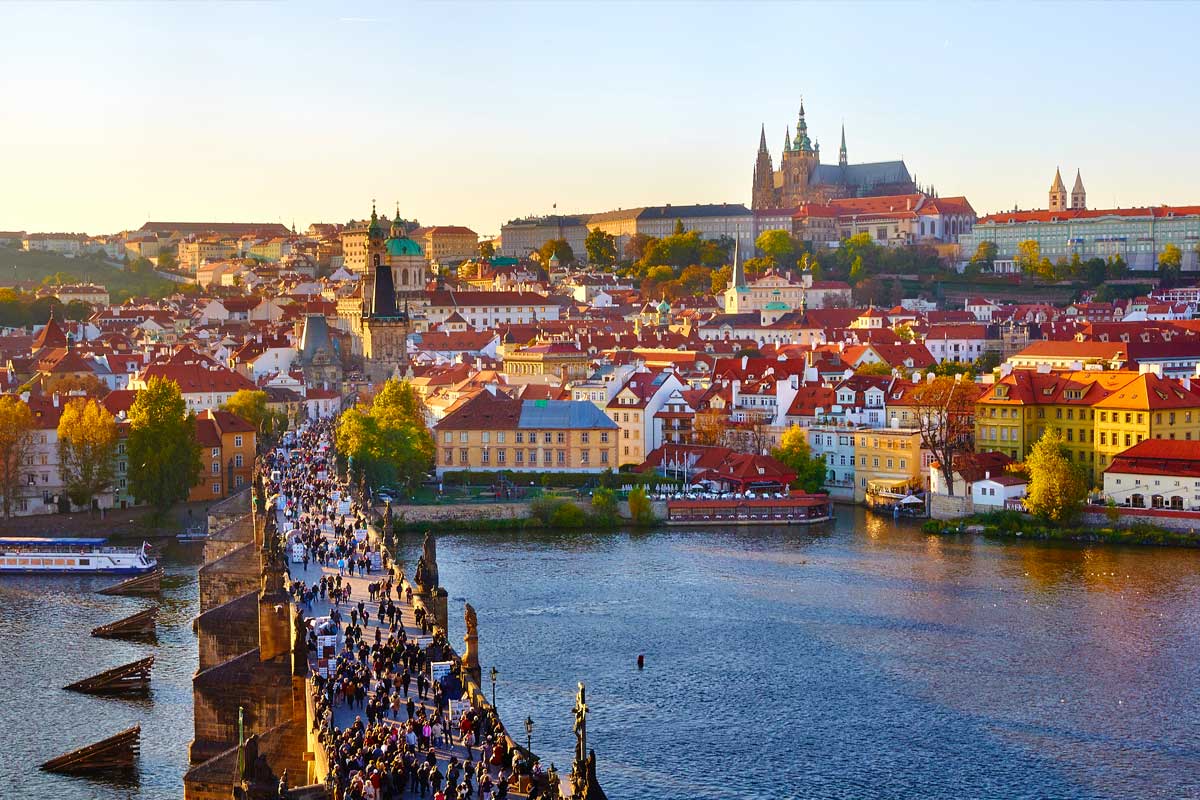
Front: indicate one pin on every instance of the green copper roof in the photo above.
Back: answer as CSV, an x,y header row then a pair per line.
x,y
403,247
776,306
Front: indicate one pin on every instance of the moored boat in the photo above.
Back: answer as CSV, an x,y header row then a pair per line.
x,y
796,508
83,555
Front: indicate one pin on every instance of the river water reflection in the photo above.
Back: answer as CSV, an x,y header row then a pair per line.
x,y
859,660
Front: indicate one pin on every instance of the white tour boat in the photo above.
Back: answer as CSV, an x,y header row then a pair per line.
x,y
37,554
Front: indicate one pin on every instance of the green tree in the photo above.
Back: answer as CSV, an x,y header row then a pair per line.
x,y
87,448
16,441
876,368
167,260
557,247
141,266
487,249
720,280
794,451
1057,485
601,247
640,509
390,438
164,456
778,246
753,267
696,280
604,503
679,229
905,332
1115,267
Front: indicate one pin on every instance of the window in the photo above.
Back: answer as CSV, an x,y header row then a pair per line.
x,y
625,433
485,457
463,456
562,457
216,468
903,463
238,481
603,437
520,437
216,488
603,456
486,437
532,457
546,457
216,452
237,440
875,461
560,437
546,437
889,463
1103,437
583,437
237,460
446,437
500,437
583,457
520,457
462,438
449,455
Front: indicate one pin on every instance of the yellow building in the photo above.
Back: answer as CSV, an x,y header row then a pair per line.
x,y
193,254
562,359
1098,414
889,460
492,432
448,243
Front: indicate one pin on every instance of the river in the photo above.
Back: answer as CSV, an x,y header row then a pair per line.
x,y
861,659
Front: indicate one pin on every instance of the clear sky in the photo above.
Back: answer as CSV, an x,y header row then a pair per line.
x,y
480,112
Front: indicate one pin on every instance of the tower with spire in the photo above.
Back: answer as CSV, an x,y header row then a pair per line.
x,y
764,174
842,151
1058,193
1078,195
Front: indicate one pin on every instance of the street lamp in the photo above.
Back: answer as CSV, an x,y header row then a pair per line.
x,y
494,674
529,734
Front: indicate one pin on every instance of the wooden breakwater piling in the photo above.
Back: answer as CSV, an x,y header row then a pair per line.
x,y
117,752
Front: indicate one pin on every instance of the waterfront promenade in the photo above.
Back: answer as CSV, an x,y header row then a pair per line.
x,y
385,728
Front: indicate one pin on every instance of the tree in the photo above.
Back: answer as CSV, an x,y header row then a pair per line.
x,y
945,416
778,246
604,503
905,332
601,247
753,267
164,456
557,247
89,384
708,427
719,280
16,441
874,368
857,270
696,280
985,255
1029,256
639,507
1170,262
250,405
635,248
679,229
141,266
390,439
794,451
167,260
87,447
487,249
1057,485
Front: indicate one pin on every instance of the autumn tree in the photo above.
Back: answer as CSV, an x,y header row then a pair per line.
x,y
795,452
945,416
487,249
16,441
636,247
87,448
1170,262
251,405
1057,485
390,439
984,255
167,260
639,507
708,427
90,385
164,456
719,280
1029,256
601,247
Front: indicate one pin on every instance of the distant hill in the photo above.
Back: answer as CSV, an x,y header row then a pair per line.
x,y
17,266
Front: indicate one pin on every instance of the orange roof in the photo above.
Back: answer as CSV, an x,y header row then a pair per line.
x,y
1156,212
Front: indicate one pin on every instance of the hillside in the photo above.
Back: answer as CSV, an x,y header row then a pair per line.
x,y
17,266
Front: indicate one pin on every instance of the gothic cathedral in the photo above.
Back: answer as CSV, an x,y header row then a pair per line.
x,y
802,178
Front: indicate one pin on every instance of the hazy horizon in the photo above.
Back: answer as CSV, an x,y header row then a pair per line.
x,y
474,114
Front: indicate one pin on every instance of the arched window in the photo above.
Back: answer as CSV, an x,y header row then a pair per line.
x,y
404,277
1137,501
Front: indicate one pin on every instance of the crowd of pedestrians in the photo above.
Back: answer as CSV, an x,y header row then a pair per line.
x,y
386,727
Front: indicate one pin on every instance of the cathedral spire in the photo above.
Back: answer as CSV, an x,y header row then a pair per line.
x,y
738,276
762,140
787,140
842,152
802,142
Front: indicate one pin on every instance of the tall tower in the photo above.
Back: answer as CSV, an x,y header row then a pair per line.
x,y
1078,195
385,327
763,191
1058,193
842,160
798,165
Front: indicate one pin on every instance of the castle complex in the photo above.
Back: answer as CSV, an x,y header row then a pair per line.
x,y
802,178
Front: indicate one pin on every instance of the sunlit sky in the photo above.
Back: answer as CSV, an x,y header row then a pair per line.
x,y
478,113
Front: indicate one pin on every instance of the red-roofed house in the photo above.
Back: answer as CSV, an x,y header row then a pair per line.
x,y
203,382
1156,473
227,449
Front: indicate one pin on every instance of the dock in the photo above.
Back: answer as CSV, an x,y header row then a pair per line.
x,y
139,585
